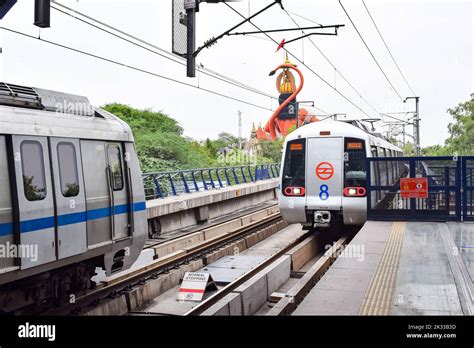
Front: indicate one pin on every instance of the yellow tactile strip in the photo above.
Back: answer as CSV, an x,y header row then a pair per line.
x,y
379,296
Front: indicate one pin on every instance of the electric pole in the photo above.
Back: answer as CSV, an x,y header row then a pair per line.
x,y
416,126
404,135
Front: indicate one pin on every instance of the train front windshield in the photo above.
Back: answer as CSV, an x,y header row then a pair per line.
x,y
355,171
294,167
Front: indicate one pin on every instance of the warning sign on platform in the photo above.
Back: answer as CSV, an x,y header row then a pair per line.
x,y
414,187
194,286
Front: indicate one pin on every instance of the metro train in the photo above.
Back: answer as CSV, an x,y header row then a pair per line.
x,y
323,176
71,196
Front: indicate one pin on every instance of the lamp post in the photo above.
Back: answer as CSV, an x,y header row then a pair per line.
x,y
416,126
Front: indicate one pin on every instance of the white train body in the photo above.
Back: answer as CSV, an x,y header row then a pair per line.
x,y
323,172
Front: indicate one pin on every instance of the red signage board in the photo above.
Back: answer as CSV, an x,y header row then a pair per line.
x,y
414,187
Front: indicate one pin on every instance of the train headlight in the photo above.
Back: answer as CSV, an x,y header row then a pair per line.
x,y
294,191
355,191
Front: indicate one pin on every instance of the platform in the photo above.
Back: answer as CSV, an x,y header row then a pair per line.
x,y
399,268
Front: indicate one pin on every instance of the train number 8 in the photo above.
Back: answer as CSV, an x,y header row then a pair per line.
x,y
324,192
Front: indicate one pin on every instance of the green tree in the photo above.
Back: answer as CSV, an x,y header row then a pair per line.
x,y
271,151
461,139
159,140
461,132
408,149
435,150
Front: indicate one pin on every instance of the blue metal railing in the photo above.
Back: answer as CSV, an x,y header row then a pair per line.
x,y
174,183
444,191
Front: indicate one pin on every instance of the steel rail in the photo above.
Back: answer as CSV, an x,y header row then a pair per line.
x,y
164,264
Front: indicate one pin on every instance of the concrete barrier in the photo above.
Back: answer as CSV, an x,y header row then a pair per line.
x,y
255,292
178,212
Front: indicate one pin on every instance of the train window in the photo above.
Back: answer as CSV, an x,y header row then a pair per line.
x,y
294,166
355,172
382,167
385,166
115,161
34,181
375,166
390,167
68,175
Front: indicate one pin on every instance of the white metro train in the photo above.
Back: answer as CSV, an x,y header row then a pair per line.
x,y
71,196
323,176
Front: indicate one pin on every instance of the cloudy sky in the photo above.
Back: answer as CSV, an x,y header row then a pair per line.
x,y
432,42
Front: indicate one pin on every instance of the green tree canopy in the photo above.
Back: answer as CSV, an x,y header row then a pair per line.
x,y
461,132
159,140
461,139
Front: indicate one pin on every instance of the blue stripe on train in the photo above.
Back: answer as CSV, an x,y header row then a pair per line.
x,y
68,219
36,224
6,229
74,218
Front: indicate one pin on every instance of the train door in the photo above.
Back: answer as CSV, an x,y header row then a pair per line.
x,y
35,203
324,173
118,191
6,214
70,197
97,191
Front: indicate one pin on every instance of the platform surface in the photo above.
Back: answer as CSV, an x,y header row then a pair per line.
x,y
399,268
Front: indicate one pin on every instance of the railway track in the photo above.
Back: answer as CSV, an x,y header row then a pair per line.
x,y
295,295
289,300
199,309
182,251
304,256
171,259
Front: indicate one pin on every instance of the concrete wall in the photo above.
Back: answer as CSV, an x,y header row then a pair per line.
x,y
178,212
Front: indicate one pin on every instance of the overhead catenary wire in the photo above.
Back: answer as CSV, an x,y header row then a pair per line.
x,y
203,70
302,17
304,64
156,49
131,67
388,49
172,57
329,61
371,54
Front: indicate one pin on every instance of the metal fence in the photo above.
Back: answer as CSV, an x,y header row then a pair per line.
x,y
468,188
443,202
174,183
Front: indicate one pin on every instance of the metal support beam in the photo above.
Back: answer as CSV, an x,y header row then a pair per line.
x,y
416,125
42,13
191,7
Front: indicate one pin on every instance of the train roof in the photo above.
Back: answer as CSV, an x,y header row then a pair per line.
x,y
340,128
41,112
